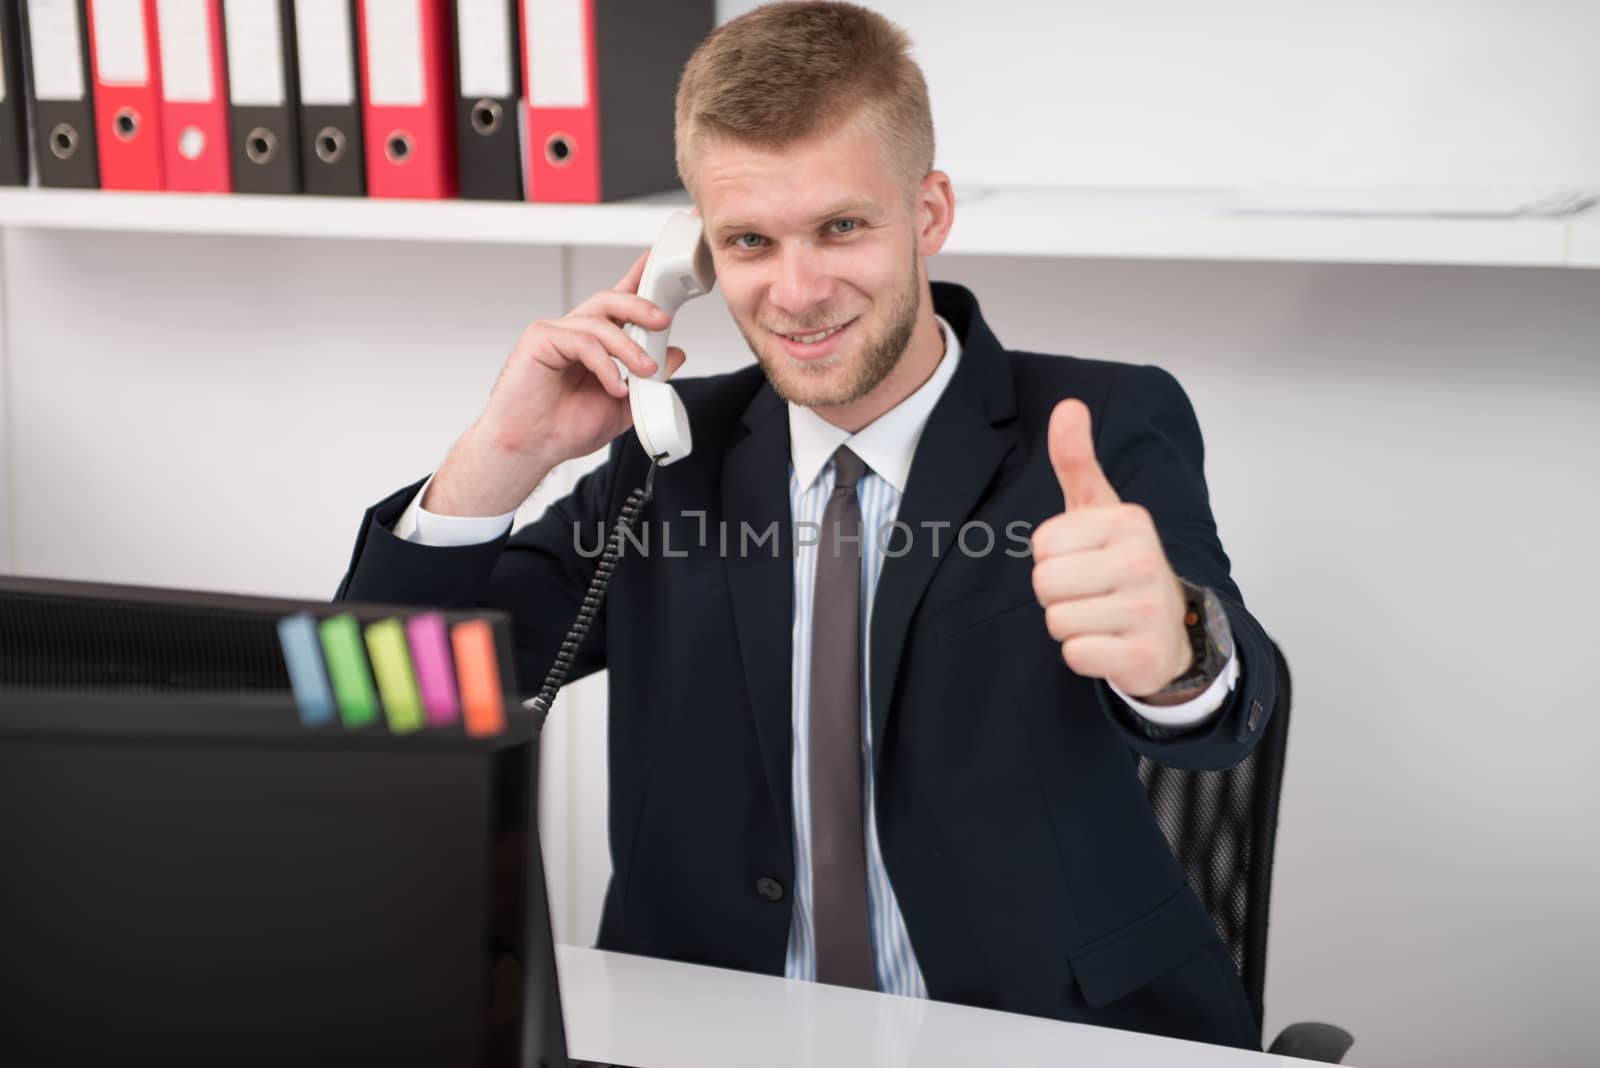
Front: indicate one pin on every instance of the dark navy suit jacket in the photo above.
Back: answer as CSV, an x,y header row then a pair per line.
x,y
1026,859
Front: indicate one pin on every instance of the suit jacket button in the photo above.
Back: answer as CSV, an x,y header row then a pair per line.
x,y
771,889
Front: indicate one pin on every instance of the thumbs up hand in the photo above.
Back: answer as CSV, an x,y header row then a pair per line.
x,y
1110,597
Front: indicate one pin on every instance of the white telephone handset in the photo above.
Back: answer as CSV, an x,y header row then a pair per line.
x,y
679,269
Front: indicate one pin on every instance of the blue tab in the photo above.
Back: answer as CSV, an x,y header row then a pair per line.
x,y
302,652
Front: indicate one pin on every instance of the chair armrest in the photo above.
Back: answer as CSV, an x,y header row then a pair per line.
x,y
1314,1042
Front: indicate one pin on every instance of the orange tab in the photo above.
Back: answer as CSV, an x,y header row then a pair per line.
x,y
483,703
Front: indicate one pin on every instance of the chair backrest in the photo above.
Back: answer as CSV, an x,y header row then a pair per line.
x,y
1222,826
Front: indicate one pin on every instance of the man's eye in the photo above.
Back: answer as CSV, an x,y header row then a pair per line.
x,y
845,226
748,241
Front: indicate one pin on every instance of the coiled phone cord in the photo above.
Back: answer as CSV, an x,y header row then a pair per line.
x,y
592,597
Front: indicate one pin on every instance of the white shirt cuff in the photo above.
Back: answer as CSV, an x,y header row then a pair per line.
x,y
418,525
1194,711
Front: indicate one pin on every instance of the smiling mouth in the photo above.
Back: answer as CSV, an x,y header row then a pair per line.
x,y
815,336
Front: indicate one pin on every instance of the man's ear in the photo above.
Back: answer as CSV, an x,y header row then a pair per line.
x,y
935,211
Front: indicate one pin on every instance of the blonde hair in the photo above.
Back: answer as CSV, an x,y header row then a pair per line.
x,y
786,71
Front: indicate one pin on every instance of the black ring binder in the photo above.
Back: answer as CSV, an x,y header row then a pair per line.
x,y
64,141
486,117
261,146
331,144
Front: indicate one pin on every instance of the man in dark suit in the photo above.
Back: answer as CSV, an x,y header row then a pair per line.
x,y
896,631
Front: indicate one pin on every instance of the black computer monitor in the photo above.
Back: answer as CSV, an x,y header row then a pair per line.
x,y
190,876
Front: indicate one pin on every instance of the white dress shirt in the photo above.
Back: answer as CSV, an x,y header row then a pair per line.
x,y
887,446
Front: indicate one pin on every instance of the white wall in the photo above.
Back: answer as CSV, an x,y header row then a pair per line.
x,y
1401,459
1233,92
194,409
1402,467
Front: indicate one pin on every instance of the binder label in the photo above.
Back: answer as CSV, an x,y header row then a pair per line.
x,y
255,53
485,48
394,53
57,61
185,34
119,42
327,60
558,54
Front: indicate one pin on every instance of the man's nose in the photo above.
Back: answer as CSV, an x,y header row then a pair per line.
x,y
801,284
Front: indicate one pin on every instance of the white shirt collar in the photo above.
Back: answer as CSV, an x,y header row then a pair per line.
x,y
886,444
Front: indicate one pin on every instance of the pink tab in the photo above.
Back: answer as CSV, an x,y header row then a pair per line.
x,y
429,639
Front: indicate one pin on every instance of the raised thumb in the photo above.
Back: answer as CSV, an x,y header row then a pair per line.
x,y
1083,484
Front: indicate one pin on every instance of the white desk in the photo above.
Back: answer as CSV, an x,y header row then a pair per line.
x,y
660,1014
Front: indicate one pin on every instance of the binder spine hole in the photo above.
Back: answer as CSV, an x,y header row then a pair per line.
x,y
126,124
330,144
398,147
191,143
558,149
63,142
261,146
486,117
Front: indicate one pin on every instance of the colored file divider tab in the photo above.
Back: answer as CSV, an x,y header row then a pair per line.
x,y
386,641
302,653
347,667
477,668
436,676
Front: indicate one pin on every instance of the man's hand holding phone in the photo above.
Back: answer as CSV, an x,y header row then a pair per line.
x,y
559,396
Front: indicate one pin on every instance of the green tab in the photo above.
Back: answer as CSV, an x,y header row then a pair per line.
x,y
386,641
347,670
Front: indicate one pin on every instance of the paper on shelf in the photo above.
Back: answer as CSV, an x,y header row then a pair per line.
x,y
1457,202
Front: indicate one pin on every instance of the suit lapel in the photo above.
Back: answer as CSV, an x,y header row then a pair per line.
x,y
755,491
955,461
957,457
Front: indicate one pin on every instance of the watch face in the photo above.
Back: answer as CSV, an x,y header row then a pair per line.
x,y
1217,628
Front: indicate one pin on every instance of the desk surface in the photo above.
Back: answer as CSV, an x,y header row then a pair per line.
x,y
661,1014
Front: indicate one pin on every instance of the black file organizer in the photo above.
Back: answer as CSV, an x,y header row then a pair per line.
x,y
264,140
488,129
56,634
193,878
63,130
332,150
14,168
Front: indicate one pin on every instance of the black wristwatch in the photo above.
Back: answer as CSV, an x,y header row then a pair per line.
x,y
1210,638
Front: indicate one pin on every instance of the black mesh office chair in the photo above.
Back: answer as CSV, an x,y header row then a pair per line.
x,y
1222,826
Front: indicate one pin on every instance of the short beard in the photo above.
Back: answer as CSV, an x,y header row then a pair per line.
x,y
880,357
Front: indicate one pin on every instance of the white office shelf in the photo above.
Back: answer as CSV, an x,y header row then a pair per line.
x,y
344,218
1115,224
1583,249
